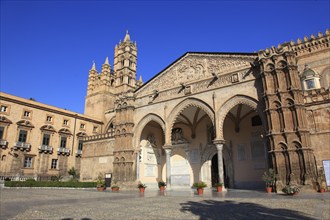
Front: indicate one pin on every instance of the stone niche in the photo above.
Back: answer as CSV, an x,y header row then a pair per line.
x,y
150,157
180,168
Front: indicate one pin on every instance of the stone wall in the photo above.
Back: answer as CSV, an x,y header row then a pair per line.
x,y
97,158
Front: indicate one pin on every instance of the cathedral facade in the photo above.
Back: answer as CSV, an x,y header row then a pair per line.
x,y
215,117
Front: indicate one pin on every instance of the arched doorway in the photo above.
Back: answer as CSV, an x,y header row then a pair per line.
x,y
242,132
215,172
151,158
191,143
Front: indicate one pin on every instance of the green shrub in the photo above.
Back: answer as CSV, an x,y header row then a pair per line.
x,y
69,184
74,173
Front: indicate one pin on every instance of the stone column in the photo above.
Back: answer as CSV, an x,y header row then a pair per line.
x,y
219,144
168,151
138,155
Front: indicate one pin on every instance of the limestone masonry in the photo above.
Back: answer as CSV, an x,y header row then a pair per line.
x,y
215,117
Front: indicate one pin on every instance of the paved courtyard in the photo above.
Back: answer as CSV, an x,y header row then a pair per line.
x,y
31,203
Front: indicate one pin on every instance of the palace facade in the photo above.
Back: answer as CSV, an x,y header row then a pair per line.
x,y
215,117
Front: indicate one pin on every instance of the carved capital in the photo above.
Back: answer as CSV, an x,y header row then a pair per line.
x,y
219,141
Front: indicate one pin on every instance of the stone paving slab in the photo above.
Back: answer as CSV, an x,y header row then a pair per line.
x,y
31,203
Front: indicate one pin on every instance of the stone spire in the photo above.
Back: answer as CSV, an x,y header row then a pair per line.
x,y
106,61
127,37
93,66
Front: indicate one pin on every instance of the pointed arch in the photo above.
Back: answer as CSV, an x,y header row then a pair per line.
x,y
111,126
299,155
230,104
179,108
143,122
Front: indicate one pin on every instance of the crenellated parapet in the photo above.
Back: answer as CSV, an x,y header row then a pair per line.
x,y
316,96
312,44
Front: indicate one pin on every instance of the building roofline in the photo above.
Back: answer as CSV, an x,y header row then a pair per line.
x,y
190,52
38,105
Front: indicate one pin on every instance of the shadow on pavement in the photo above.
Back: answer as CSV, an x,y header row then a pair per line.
x,y
211,209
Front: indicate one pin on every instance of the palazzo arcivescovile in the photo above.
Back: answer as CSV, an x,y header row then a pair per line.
x,y
215,117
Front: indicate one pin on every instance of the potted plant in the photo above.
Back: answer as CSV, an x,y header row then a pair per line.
x,y
161,185
321,183
291,189
115,188
219,187
141,187
200,187
269,178
100,183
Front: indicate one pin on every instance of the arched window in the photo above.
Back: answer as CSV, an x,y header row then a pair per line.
x,y
310,79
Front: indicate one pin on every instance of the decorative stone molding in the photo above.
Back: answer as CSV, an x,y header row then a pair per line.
x,y
230,104
178,109
48,128
25,123
5,120
143,122
196,67
65,131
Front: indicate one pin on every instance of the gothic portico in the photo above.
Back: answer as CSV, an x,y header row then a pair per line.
x,y
212,117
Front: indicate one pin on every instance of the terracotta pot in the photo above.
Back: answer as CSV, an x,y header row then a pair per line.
x,y
141,190
219,188
100,188
200,191
161,188
115,189
268,189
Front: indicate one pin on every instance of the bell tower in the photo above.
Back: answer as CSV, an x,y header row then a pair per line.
x,y
125,65
100,91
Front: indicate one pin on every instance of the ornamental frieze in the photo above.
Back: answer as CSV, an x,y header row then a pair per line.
x,y
204,85
192,68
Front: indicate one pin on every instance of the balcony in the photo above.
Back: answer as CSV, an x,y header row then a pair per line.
x,y
45,149
3,144
63,151
22,146
78,153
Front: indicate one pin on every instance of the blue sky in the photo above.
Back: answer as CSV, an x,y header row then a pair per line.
x,y
47,47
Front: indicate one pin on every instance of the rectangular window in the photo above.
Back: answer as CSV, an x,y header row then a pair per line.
x,y
4,108
46,139
66,122
63,142
22,136
54,164
28,162
27,114
82,126
95,129
80,145
1,132
49,119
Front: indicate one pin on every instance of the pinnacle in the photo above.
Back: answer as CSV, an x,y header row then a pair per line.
x,y
93,67
127,37
106,61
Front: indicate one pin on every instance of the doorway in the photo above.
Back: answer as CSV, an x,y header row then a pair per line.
x,y
215,171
